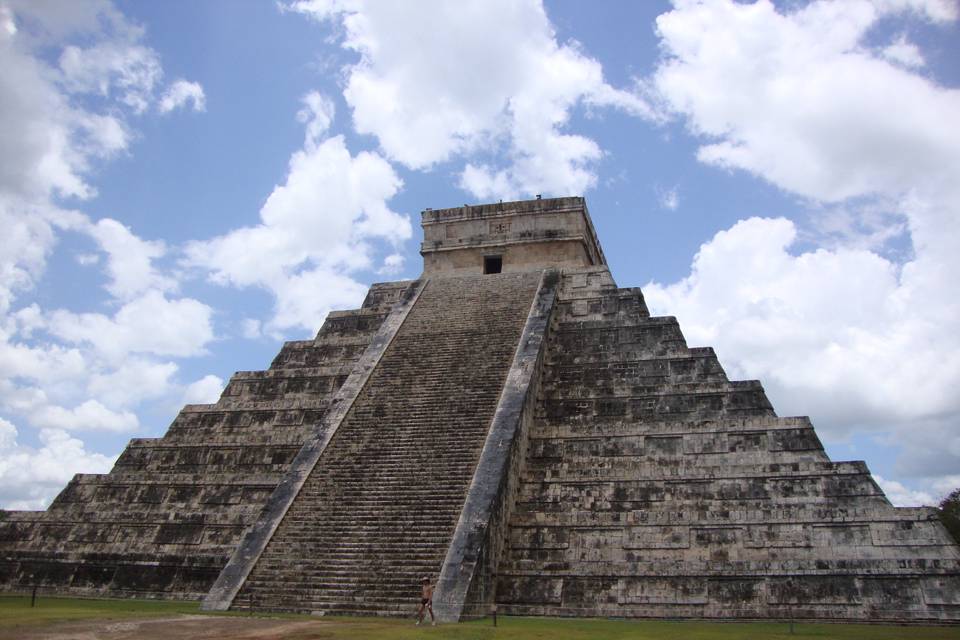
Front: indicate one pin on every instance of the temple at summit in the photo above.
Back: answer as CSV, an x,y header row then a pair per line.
x,y
518,428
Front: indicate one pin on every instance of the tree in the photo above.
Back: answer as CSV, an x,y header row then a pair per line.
x,y
950,513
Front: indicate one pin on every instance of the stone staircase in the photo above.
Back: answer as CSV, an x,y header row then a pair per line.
x,y
165,520
378,510
655,487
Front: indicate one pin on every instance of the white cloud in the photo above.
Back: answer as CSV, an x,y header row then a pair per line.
x,y
317,114
180,93
946,484
901,496
7,23
904,52
150,323
483,75
133,381
669,198
251,328
75,75
31,477
50,136
392,264
24,245
858,341
89,416
791,321
129,259
304,299
130,70
749,98
206,390
315,229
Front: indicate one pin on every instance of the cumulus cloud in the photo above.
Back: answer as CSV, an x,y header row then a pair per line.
x,y
27,240
50,136
789,319
129,259
315,229
131,71
76,76
392,264
180,93
485,76
151,323
206,390
902,496
91,416
857,340
30,476
904,52
136,379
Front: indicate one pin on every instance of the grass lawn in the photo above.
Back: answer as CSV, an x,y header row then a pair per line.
x,y
16,612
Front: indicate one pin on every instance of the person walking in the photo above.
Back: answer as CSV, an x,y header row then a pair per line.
x,y
426,601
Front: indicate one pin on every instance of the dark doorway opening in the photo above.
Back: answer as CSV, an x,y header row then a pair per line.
x,y
492,264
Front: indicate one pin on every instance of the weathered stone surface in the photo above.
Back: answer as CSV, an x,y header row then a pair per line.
x,y
166,519
525,236
654,486
557,449
379,507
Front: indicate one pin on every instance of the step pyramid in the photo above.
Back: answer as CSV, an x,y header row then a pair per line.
x,y
519,429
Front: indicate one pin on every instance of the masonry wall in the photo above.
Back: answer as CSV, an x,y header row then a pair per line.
x,y
528,235
656,487
164,521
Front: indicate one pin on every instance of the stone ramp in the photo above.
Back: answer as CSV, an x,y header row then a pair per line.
x,y
655,487
379,508
165,520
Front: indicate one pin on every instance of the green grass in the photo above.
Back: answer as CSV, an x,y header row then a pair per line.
x,y
16,612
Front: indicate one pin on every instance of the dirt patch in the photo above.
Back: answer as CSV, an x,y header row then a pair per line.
x,y
186,626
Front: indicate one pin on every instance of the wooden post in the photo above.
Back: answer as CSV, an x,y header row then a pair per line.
x,y
493,610
33,597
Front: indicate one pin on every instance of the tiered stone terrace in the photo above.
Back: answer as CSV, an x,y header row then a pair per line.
x,y
653,486
532,437
379,508
164,521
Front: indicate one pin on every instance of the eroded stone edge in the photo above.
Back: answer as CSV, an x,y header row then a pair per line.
x,y
256,538
465,577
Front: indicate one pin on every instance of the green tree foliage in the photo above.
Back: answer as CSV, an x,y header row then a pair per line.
x,y
950,513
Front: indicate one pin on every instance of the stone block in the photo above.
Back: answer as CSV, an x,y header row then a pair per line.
x,y
832,536
663,590
814,590
92,576
657,537
150,578
539,538
941,591
530,590
778,536
735,592
891,592
179,534
908,533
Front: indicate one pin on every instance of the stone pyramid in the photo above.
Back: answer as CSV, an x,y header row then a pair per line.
x,y
518,428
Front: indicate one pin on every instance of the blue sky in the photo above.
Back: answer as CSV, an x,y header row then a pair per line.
x,y
184,185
